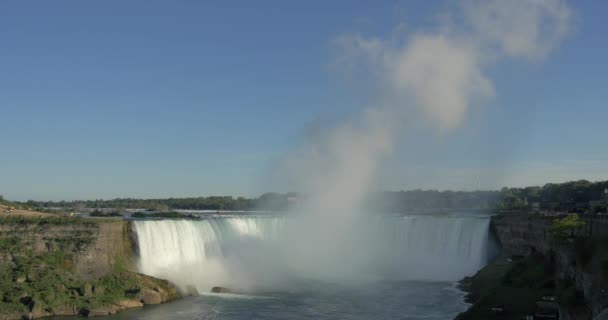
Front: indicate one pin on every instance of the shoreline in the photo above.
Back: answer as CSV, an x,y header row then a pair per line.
x,y
153,291
54,265
480,286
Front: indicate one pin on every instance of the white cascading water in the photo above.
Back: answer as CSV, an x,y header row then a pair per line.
x,y
253,253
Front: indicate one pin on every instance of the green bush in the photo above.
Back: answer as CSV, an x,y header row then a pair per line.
x,y
562,229
48,281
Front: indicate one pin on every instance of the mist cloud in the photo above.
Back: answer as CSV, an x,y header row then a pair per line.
x,y
528,29
434,76
439,74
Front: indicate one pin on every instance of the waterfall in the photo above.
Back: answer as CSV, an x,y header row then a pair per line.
x,y
249,253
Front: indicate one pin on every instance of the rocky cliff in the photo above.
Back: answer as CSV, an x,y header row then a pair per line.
x,y
95,245
581,261
59,265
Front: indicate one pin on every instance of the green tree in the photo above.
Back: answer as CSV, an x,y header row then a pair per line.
x,y
564,228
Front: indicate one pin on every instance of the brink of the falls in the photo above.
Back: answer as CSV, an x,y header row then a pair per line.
x,y
256,253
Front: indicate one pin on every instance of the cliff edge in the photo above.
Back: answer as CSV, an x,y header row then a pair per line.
x,y
541,275
71,266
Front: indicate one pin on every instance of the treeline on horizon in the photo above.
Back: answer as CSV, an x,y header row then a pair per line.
x,y
267,201
573,196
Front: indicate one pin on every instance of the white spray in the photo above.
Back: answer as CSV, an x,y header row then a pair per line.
x,y
429,77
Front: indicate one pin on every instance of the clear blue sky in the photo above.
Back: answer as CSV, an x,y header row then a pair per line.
x,y
101,99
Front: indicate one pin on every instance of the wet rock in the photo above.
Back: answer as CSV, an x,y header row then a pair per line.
x,y
128,304
36,307
167,291
149,296
67,310
102,311
37,310
164,296
221,290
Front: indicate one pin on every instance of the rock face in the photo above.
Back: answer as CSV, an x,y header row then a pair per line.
x,y
221,290
95,244
191,291
583,262
149,296
84,261
111,309
127,304
153,291
522,233
112,239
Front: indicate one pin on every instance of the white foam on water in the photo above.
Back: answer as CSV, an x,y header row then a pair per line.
x,y
248,253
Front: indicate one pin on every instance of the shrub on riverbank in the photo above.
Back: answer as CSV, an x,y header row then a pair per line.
x,y
38,272
48,283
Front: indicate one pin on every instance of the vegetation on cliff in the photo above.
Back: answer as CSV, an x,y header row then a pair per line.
x,y
558,258
38,276
47,283
564,228
507,289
